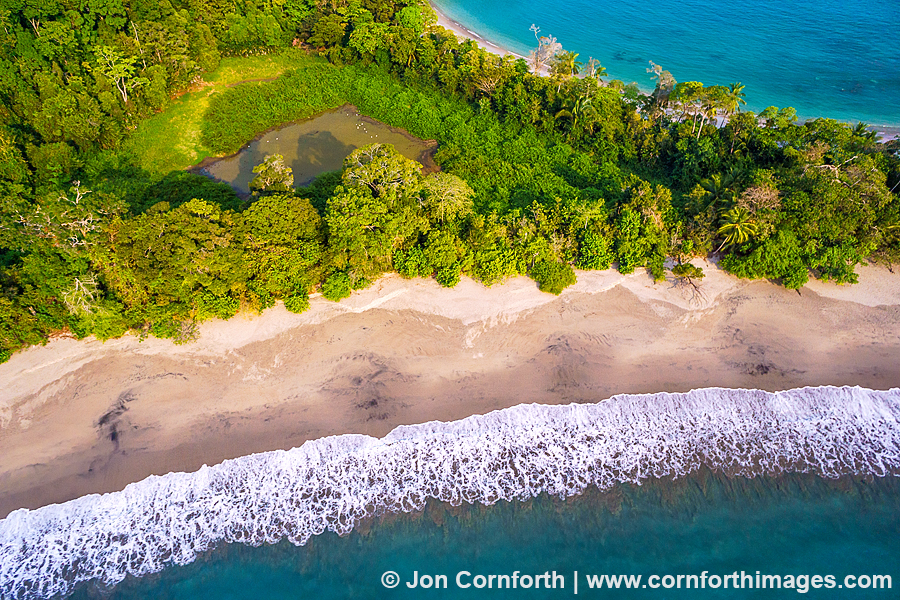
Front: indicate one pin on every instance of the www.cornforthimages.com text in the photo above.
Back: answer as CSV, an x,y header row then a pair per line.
x,y
705,580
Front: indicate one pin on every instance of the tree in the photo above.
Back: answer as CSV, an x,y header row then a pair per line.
x,y
381,169
739,128
328,31
172,267
376,211
118,69
686,94
665,83
272,175
415,18
713,100
738,227
445,196
759,197
688,271
778,118
735,98
367,38
563,66
594,69
68,222
547,48
283,247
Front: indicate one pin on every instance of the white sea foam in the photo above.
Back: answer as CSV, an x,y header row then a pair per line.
x,y
517,453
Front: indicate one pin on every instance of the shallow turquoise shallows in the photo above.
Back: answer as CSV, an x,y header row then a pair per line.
x,y
832,58
790,525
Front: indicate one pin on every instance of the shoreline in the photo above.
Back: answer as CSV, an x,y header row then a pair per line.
x,y
82,417
338,483
887,133
464,32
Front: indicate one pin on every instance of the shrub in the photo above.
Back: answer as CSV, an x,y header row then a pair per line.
x,y
412,263
336,287
552,276
297,303
594,252
210,305
448,276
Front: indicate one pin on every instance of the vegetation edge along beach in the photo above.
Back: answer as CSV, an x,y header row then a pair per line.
x,y
539,174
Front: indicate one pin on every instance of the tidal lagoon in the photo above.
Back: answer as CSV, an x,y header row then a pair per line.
x,y
315,146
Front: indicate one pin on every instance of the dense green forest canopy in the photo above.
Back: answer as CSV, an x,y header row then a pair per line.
x,y
540,173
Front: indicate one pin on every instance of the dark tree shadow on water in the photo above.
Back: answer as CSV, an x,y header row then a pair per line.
x,y
318,152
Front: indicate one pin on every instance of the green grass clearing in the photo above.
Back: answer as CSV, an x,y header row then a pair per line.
x,y
171,140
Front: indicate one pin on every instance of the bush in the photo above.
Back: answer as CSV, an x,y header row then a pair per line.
x,y
412,263
297,303
495,263
448,277
688,271
778,257
553,277
210,305
239,113
109,324
336,287
594,252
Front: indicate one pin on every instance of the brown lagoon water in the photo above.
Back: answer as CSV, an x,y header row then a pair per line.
x,y
315,146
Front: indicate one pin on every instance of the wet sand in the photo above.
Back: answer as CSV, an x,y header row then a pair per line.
x,y
79,417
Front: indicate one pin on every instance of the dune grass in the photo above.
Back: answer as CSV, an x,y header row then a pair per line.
x,y
171,140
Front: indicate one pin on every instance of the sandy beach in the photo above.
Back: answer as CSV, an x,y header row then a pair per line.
x,y
80,417
464,32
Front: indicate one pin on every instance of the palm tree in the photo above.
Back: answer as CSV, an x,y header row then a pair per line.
x,y
717,191
580,109
735,98
738,227
862,130
565,65
717,188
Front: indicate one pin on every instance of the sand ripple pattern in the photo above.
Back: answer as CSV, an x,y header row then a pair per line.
x,y
517,453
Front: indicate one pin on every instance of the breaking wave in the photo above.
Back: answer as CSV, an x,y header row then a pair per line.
x,y
517,453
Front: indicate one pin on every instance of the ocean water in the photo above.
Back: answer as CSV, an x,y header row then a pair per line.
x,y
790,525
795,483
831,58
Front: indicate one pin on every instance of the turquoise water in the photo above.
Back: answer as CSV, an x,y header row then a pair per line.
x,y
832,58
791,525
